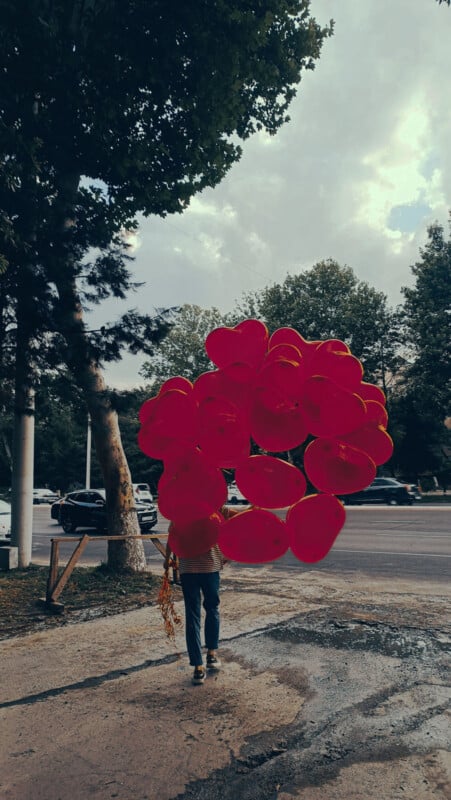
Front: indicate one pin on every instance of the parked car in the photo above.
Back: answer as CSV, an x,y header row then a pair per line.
x,y
5,519
55,509
142,493
234,495
44,496
87,509
382,490
414,491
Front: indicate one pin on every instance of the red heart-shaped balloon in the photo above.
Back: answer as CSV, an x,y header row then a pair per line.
x,y
147,409
341,367
291,336
276,429
313,524
190,539
337,468
247,342
287,351
169,419
369,391
182,384
334,345
329,409
191,488
269,482
373,439
282,376
253,537
376,412
224,436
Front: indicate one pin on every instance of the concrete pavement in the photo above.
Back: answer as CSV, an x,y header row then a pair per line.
x,y
332,687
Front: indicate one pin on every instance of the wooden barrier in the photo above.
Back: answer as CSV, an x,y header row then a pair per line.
x,y
56,584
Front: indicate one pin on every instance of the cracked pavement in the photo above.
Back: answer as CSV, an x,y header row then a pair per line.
x,y
332,687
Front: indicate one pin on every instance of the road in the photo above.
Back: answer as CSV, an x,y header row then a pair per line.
x,y
408,542
405,542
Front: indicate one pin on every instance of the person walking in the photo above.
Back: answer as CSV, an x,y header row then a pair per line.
x,y
200,580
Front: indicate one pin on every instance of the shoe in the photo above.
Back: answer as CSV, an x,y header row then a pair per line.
x,y
198,676
213,663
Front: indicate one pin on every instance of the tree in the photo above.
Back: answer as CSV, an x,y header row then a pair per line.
x,y
422,403
183,350
329,302
422,441
109,109
427,316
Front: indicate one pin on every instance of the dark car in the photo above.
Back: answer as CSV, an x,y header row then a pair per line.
x,y
382,490
414,491
87,509
55,509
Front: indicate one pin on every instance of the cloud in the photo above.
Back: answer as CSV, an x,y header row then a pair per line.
x,y
357,175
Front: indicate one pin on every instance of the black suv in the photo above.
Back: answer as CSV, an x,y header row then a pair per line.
x,y
87,509
382,490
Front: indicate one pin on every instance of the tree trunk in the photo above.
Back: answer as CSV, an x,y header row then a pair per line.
x,y
120,501
121,511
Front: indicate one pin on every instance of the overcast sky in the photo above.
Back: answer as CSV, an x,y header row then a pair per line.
x,y
360,171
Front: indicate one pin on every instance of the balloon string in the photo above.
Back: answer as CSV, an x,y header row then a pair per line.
x,y
166,604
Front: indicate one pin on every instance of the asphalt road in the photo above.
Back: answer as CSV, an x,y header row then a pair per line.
x,y
404,542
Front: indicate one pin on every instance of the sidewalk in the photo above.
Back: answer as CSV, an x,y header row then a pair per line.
x,y
331,688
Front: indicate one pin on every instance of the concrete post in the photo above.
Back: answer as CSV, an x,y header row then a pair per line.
x,y
22,488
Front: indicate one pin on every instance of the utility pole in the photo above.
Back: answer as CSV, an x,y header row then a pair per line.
x,y
22,477
88,455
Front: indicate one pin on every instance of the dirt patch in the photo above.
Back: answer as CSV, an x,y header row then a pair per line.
x,y
91,592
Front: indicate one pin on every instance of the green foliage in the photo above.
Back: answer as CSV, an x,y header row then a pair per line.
x,y
108,109
422,398
427,315
146,97
182,352
328,302
422,442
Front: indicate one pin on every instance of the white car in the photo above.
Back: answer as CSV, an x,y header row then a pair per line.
x,y
44,496
5,519
234,495
142,493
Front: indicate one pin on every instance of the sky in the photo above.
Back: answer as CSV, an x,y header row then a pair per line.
x,y
357,175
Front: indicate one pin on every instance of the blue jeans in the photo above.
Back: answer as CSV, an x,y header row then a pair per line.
x,y
193,583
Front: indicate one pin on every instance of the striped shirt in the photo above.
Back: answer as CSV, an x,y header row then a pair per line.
x,y
211,561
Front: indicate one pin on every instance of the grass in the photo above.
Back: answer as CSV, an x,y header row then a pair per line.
x,y
90,592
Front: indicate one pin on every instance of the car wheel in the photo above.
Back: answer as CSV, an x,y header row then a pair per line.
x,y
68,526
392,501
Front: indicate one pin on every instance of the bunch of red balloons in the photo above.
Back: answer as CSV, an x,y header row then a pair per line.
x,y
281,392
